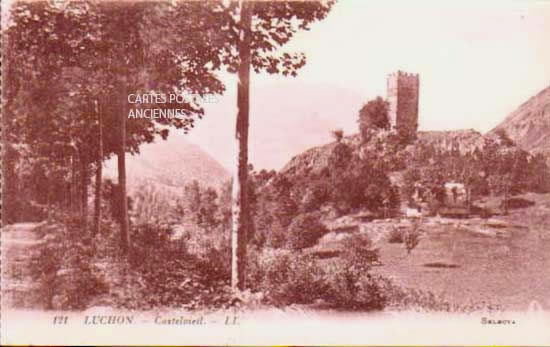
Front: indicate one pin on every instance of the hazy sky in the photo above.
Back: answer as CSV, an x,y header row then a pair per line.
x,y
477,62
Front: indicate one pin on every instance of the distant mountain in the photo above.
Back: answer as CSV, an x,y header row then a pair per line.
x,y
171,163
529,124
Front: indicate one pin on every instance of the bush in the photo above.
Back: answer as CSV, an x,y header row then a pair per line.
x,y
304,231
285,279
315,195
161,272
215,265
360,252
65,271
276,237
337,134
411,238
396,235
350,289
351,284
340,156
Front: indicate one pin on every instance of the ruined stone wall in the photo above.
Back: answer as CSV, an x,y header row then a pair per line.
x,y
392,97
402,96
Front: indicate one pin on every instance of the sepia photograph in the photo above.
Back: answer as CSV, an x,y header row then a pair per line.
x,y
275,172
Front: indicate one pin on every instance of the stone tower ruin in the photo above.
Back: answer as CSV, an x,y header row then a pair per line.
x,y
402,96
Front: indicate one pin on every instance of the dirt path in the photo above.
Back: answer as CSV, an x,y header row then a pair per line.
x,y
19,243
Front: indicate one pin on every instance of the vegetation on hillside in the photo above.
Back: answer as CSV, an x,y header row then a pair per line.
x,y
499,169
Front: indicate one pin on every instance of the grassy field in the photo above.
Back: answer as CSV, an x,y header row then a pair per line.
x,y
506,263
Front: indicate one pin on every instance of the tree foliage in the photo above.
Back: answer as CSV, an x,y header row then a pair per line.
x,y
68,62
372,116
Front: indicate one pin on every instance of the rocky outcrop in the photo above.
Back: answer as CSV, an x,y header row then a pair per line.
x,y
465,141
312,160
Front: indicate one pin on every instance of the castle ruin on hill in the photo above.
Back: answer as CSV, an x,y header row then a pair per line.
x,y
402,97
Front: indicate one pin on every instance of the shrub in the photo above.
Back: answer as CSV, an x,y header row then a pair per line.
x,y
162,272
411,238
148,236
350,289
304,231
337,134
65,271
360,252
285,279
276,237
351,284
315,195
395,235
340,156
215,265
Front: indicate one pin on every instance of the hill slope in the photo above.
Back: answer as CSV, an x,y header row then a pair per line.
x,y
529,124
171,163
316,158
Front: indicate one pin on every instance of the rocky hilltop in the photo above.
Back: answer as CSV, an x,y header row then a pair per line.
x,y
312,160
529,124
465,141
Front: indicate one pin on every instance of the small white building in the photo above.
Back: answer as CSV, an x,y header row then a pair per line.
x,y
413,212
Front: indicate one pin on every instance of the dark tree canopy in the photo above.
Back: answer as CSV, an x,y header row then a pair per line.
x,y
374,115
70,64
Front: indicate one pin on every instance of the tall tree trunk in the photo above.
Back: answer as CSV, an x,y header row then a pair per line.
x,y
121,156
71,186
49,192
239,203
84,178
67,196
75,201
98,174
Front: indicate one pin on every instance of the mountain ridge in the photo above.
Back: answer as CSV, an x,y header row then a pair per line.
x,y
529,124
172,163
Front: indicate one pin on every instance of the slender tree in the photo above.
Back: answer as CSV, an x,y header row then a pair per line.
x,y
250,33
99,172
239,196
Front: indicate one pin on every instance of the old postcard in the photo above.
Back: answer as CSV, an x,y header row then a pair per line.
x,y
220,172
